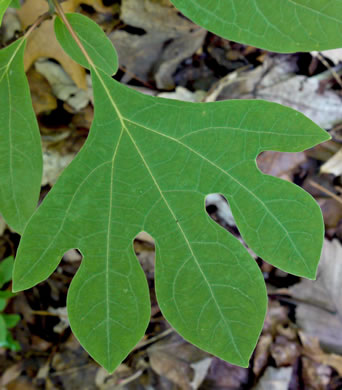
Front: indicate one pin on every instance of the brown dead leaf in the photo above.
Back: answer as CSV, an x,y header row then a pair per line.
x,y
276,314
21,384
43,43
332,212
41,93
165,39
280,164
333,165
276,80
72,5
312,349
285,352
223,375
315,376
261,354
174,359
11,374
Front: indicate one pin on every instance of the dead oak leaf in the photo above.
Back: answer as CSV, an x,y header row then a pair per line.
x,y
43,43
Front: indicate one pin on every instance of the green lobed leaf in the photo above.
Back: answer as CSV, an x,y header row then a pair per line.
x,y
99,48
148,165
20,146
4,4
283,26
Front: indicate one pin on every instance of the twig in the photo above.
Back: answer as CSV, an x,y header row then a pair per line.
x,y
47,313
154,339
61,13
130,379
326,191
332,70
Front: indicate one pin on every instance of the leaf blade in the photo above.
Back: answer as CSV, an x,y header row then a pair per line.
x,y
289,26
148,160
4,4
94,40
21,170
126,129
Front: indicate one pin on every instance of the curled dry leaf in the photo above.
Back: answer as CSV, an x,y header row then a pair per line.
x,y
333,165
165,39
276,81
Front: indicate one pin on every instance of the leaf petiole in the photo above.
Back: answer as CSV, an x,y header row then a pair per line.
x,y
37,23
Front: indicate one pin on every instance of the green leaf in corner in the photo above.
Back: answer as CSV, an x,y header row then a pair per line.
x,y
20,147
283,26
148,165
4,4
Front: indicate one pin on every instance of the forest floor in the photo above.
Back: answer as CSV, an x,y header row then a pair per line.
x,y
162,53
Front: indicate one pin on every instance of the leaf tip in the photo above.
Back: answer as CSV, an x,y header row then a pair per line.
x,y
312,275
325,136
16,286
19,282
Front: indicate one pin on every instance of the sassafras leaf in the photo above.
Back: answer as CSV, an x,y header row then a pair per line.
x,y
148,165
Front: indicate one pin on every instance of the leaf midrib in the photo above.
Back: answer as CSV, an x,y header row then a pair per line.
x,y
124,127
108,246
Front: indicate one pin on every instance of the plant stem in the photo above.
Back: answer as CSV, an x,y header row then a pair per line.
x,y
326,191
37,23
61,13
